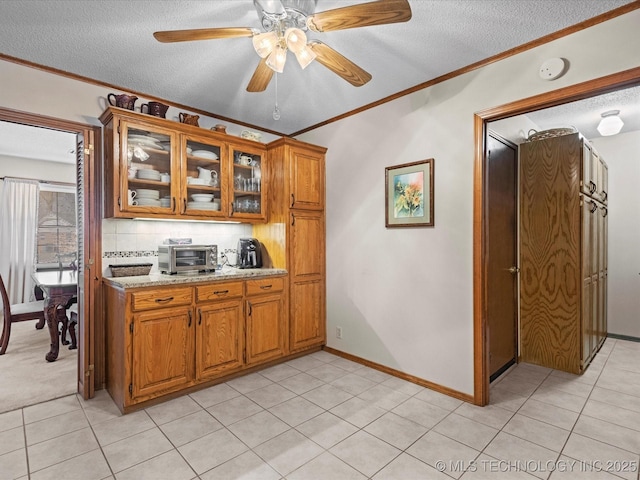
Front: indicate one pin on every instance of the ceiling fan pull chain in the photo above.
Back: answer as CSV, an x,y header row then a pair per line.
x,y
276,110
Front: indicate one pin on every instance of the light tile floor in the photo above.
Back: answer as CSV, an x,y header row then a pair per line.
x,y
323,417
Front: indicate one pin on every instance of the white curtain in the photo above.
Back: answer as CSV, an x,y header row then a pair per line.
x,y
18,235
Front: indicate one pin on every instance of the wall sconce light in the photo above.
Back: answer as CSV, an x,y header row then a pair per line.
x,y
611,123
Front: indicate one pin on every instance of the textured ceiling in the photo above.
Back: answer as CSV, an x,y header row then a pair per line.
x,y
111,41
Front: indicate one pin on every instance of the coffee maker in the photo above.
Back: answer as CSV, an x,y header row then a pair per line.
x,y
249,253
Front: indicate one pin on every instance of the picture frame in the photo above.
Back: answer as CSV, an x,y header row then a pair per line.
x,y
409,194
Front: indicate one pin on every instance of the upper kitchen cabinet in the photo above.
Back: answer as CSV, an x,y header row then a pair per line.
x,y
204,173
141,162
247,199
306,178
158,168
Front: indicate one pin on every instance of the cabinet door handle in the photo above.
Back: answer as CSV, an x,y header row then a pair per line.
x,y
293,199
605,212
184,205
199,317
250,308
173,203
604,195
592,186
594,207
266,287
163,300
221,292
231,209
293,219
189,318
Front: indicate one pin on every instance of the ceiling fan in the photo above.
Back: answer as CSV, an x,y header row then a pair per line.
x,y
285,23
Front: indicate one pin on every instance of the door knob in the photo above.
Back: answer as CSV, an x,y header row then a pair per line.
x,y
513,269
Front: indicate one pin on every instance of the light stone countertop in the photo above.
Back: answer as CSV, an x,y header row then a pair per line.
x,y
161,279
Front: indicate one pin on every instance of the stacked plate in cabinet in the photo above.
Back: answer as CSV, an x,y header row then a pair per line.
x,y
144,141
148,198
205,154
203,201
148,174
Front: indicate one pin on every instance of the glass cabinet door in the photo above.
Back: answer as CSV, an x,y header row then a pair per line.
x,y
247,200
202,178
148,168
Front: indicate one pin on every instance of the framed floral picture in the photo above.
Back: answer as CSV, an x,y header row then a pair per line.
x,y
409,194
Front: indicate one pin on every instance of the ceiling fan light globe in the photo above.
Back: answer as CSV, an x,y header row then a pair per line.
x,y
296,39
264,43
305,57
277,59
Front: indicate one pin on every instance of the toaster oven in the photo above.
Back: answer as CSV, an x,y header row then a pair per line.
x,y
185,258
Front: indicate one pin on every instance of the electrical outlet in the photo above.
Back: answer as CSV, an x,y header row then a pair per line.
x,y
338,332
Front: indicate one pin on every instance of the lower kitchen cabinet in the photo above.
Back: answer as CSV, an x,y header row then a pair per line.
x,y
219,344
163,340
307,312
265,320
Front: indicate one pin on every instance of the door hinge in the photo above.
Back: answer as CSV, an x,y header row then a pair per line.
x,y
89,371
88,149
131,389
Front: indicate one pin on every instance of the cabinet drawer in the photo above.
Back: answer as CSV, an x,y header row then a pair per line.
x,y
218,291
265,285
161,298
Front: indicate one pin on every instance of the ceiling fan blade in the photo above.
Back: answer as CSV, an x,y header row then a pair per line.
x,y
169,36
339,64
272,7
380,12
261,77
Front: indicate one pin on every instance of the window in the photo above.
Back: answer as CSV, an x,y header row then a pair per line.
x,y
57,232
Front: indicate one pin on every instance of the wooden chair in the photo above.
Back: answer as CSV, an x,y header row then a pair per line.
x,y
18,312
73,322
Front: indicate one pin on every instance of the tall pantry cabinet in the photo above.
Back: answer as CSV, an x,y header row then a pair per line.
x,y
563,252
294,238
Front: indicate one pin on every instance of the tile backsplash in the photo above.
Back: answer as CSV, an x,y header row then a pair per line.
x,y
136,241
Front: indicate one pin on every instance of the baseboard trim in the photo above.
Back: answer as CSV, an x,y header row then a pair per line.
x,y
404,376
623,337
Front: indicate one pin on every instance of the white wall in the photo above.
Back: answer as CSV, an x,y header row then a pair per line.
x,y
404,296
37,169
622,154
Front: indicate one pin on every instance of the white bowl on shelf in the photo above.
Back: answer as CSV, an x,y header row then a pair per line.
x,y
202,197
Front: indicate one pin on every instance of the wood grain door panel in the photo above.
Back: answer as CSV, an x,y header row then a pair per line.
x,y
219,338
501,241
307,314
307,180
551,252
265,328
162,351
307,245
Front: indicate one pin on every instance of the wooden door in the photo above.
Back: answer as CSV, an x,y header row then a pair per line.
x,y
219,338
265,328
307,245
501,168
162,351
586,330
307,323
307,180
550,253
